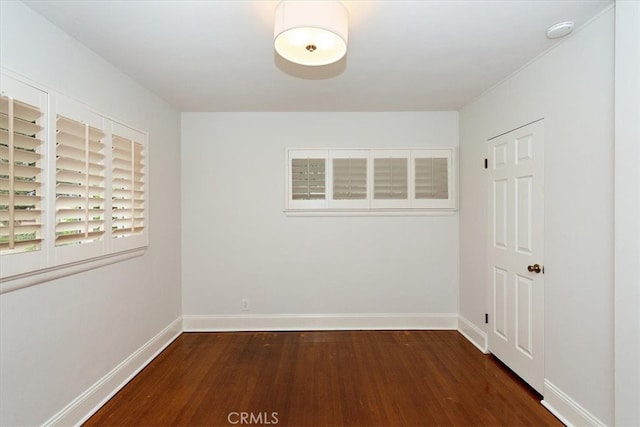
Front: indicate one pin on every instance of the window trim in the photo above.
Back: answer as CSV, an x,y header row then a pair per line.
x,y
52,262
406,207
25,280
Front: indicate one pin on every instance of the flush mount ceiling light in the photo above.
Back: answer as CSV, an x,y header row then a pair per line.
x,y
311,32
560,30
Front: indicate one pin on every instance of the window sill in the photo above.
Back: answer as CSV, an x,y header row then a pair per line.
x,y
369,212
21,281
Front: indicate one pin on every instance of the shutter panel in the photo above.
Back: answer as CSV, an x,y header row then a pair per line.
x,y
20,176
390,179
128,181
308,179
349,179
79,182
432,178
307,176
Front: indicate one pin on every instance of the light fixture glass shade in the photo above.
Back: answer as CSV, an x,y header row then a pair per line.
x,y
311,32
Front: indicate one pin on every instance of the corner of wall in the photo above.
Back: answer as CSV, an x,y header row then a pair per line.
x,y
85,405
474,334
566,409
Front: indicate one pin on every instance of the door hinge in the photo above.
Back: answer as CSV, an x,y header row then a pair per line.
x,y
486,318
486,163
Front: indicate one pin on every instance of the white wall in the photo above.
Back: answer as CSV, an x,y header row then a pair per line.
x,y
238,243
572,88
627,206
58,338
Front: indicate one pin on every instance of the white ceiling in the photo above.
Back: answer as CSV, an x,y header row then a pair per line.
x,y
215,55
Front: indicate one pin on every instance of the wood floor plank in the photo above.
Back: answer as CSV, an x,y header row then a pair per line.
x,y
337,378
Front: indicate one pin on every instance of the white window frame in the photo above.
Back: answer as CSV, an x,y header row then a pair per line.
x,y
19,270
371,206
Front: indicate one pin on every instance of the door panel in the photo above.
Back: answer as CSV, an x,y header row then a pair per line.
x,y
500,302
500,214
524,332
516,230
524,225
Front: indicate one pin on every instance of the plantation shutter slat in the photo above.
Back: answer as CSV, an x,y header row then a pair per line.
x,y
123,165
72,215
76,190
128,195
23,141
19,126
79,182
20,187
77,226
69,126
72,139
65,175
20,156
19,215
21,244
65,125
19,200
79,153
69,164
29,173
71,238
21,110
27,228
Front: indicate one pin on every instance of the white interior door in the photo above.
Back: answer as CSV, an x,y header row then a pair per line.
x,y
516,246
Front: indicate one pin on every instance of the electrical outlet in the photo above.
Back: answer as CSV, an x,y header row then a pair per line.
x,y
245,304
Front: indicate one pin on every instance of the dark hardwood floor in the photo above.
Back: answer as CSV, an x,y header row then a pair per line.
x,y
359,378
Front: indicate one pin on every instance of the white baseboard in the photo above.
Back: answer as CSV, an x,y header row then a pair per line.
x,y
319,322
475,335
566,409
85,405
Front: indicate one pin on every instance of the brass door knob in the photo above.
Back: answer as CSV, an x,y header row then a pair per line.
x,y
535,268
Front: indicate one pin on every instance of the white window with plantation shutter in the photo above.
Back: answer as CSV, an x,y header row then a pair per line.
x,y
370,181
128,192
73,187
22,191
307,179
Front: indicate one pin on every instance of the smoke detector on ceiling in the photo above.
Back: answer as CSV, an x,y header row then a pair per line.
x,y
560,30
